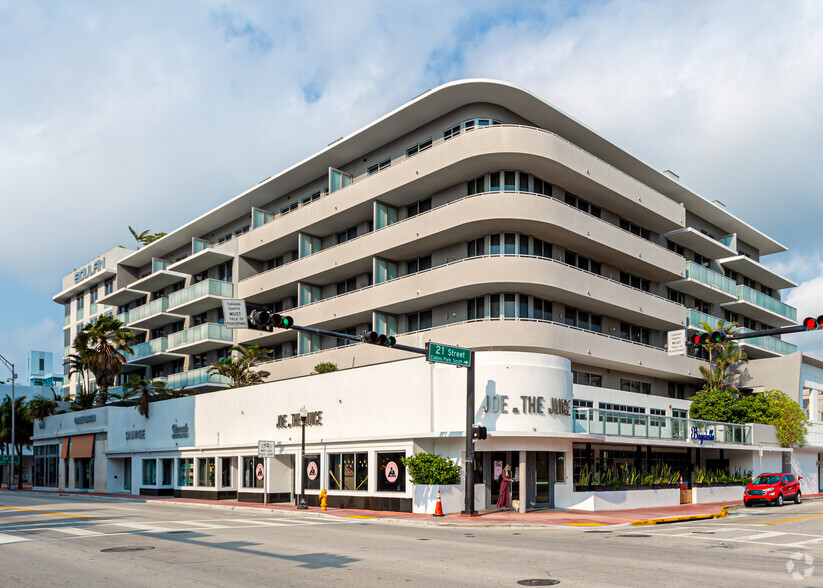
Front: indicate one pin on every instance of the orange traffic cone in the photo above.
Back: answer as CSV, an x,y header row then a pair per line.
x,y
438,510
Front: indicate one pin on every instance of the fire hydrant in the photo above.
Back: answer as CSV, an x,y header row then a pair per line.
x,y
323,499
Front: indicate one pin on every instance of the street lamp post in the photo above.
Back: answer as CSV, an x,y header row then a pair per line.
x,y
13,410
304,414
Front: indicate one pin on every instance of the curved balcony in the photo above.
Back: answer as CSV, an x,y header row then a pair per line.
x,y
198,378
705,284
199,339
200,297
152,352
152,315
766,309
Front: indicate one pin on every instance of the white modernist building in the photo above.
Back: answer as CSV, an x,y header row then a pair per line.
x,y
476,215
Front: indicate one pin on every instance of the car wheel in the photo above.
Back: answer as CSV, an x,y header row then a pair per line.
x,y
779,500
747,504
798,498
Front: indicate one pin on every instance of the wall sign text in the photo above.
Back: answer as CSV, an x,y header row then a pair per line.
x,y
91,269
287,421
86,418
499,404
180,431
698,436
132,435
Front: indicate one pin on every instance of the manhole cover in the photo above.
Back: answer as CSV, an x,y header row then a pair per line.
x,y
635,535
424,539
595,531
126,549
538,582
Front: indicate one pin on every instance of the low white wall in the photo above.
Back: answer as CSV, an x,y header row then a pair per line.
x,y
451,498
625,499
717,494
804,463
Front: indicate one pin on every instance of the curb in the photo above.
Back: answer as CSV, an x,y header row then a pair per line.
x,y
724,512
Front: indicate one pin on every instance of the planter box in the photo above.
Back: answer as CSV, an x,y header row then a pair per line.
x,y
625,499
703,495
451,498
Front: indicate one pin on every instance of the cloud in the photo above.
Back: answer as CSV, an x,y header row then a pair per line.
x,y
807,298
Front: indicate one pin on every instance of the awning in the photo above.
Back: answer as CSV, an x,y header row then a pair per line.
x,y
64,450
82,446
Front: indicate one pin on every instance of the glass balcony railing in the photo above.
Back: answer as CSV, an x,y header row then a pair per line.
x,y
79,314
198,245
201,333
66,350
153,307
193,378
148,348
67,320
767,302
123,317
695,317
769,343
204,288
627,424
92,309
159,264
712,278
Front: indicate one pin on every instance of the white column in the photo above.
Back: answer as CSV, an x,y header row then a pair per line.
x,y
522,483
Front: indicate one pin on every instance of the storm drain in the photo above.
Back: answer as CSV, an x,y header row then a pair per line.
x,y
538,582
126,549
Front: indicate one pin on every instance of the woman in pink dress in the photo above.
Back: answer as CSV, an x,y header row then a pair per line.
x,y
505,500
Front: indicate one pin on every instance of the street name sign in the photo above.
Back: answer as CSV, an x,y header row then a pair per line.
x,y
265,449
439,353
6,460
234,314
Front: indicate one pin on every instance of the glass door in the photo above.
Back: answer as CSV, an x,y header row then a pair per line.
x,y
542,466
127,474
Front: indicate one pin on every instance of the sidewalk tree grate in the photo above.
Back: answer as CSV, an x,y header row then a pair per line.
x,y
126,549
538,582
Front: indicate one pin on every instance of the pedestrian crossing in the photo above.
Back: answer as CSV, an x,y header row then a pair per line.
x,y
728,533
49,532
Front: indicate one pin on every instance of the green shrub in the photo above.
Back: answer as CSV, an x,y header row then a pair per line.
x,y
426,469
325,367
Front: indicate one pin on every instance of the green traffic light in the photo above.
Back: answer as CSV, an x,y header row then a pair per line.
x,y
287,322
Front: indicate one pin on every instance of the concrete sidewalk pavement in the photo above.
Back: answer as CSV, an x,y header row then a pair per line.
x,y
545,517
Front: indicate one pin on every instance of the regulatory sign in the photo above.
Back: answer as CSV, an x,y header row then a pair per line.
x,y
439,353
265,449
677,342
234,314
391,472
6,460
259,471
311,470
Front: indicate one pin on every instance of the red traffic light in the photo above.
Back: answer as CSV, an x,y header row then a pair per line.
x,y
696,340
812,324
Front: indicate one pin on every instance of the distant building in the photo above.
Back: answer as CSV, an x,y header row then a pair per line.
x,y
40,370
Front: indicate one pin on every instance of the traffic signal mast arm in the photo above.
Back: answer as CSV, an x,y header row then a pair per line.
x,y
764,332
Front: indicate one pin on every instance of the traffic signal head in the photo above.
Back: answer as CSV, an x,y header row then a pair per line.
x,y
260,319
282,322
717,337
479,432
812,323
696,339
699,339
377,339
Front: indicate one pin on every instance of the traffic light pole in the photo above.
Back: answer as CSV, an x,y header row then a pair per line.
x,y
765,332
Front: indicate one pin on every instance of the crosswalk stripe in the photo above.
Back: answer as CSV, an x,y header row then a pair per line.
x,y
258,522
76,531
203,525
141,527
757,536
11,539
805,542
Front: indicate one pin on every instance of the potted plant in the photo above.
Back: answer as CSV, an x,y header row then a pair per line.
x,y
584,480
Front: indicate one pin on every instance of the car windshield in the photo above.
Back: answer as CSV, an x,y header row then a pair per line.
x,y
773,479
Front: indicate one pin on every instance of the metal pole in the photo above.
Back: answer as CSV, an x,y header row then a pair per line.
x,y
13,436
265,481
302,504
468,509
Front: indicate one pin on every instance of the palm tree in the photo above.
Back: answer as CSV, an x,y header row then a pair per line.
x,y
24,428
723,358
139,237
83,401
78,365
145,391
103,345
239,367
41,407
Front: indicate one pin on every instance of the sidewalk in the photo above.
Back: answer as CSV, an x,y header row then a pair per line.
x,y
541,518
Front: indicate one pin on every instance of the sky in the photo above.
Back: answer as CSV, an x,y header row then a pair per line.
x,y
116,114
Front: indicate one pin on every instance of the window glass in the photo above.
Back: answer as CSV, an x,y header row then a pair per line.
x,y
249,475
509,244
494,245
149,472
508,178
185,473
348,471
391,473
311,468
494,182
205,471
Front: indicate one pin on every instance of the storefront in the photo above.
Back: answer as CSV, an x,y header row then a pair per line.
x,y
358,432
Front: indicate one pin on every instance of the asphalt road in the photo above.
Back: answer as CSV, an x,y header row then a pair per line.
x,y
49,541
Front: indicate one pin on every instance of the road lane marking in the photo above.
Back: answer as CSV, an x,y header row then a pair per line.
x,y
203,525
50,513
792,520
76,531
142,527
758,536
257,522
569,524
11,539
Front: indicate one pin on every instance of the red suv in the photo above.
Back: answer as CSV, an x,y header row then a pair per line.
x,y
773,489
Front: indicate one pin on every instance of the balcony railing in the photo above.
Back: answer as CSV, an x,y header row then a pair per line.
x,y
153,307
204,288
815,434
712,278
159,264
148,348
770,343
193,378
767,302
200,333
628,424
123,317
695,317
67,320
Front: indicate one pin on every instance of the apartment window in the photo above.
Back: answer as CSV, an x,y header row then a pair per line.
x,y
583,320
748,323
635,281
286,209
93,295
700,260
311,198
542,187
541,248
729,317
419,207
730,273
476,308
676,296
541,309
108,287
476,247
419,321
677,390
349,285
476,186
635,386
676,248
702,306
494,182
200,360
583,205
421,146
347,235
340,342
494,245
249,476
418,264
509,241
373,169
621,408
634,333
635,229
451,132
587,379
659,412
509,181
583,263
224,272
81,300
348,471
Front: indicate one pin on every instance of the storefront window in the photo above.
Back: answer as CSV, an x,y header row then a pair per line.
x,y
205,471
45,465
84,473
249,476
560,468
311,468
168,467
185,475
348,471
391,473
149,472
225,474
